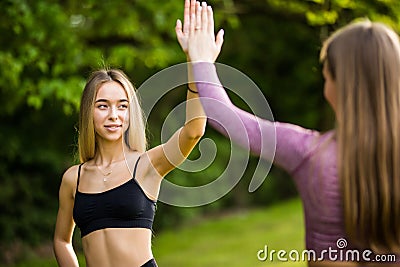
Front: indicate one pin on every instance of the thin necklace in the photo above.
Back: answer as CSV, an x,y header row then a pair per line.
x,y
110,171
104,174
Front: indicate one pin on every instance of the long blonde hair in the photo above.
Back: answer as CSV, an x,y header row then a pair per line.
x,y
364,61
135,135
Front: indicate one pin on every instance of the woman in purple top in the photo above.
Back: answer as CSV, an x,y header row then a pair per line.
x,y
348,178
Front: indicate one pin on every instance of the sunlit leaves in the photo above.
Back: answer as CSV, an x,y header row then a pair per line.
x,y
321,17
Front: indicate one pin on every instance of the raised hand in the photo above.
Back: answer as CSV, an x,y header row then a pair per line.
x,y
202,43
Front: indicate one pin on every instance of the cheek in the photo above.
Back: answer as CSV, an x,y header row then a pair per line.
x,y
98,119
125,120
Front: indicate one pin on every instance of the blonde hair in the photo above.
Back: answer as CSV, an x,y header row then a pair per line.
x,y
135,135
364,61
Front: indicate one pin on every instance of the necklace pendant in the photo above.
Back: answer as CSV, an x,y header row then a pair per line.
x,y
104,174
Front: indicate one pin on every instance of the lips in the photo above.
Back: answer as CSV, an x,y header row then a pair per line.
x,y
113,127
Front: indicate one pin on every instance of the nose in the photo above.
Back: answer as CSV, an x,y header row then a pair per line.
x,y
113,114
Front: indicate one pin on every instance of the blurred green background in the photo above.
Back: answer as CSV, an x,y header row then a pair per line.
x,y
47,50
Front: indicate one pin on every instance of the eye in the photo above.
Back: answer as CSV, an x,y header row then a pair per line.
x,y
123,106
102,106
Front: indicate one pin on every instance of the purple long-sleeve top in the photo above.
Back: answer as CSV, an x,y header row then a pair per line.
x,y
308,156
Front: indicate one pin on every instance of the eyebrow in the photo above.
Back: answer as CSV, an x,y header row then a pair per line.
x,y
106,100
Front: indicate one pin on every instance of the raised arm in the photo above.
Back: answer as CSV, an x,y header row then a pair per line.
x,y
285,144
291,143
169,155
242,127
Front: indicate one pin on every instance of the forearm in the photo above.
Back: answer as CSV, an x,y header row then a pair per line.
x,y
286,144
65,254
196,119
240,126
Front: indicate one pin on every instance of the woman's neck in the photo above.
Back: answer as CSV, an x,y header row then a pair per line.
x,y
110,152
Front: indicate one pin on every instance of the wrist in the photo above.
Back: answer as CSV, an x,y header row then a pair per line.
x,y
193,61
192,90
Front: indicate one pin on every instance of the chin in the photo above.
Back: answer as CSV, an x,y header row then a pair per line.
x,y
110,138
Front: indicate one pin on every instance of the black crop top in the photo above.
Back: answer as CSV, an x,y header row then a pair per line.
x,y
125,206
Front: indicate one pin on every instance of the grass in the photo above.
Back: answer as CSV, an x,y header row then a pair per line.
x,y
235,239
229,240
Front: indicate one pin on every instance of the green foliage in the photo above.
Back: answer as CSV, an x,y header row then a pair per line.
x,y
339,12
32,159
48,48
40,55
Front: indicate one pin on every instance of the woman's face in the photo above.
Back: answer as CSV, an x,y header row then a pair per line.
x,y
329,87
111,116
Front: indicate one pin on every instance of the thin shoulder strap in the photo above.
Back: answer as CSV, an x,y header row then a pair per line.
x,y
79,176
134,170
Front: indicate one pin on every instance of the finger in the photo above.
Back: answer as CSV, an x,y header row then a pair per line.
x,y
192,9
210,26
192,13
219,39
178,27
186,16
178,30
198,16
204,19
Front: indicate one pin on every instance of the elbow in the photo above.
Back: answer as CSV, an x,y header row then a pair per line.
x,y
56,246
56,249
196,129
197,133
63,253
59,244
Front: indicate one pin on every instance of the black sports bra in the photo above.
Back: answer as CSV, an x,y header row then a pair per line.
x,y
125,206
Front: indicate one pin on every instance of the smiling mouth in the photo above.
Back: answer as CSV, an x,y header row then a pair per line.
x,y
113,127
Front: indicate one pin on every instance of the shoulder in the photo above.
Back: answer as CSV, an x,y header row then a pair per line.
x,y
70,177
294,144
296,137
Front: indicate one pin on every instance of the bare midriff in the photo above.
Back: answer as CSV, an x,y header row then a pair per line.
x,y
117,247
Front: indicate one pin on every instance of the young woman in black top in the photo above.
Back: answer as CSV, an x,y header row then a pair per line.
x,y
111,195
